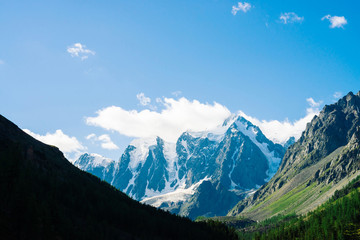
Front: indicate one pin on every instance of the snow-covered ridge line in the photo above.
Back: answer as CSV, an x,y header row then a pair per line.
x,y
252,132
93,160
217,134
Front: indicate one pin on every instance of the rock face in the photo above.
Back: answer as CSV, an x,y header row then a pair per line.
x,y
203,173
321,161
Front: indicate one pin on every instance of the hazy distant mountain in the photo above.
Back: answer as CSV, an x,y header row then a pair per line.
x,y
97,165
289,142
203,173
324,159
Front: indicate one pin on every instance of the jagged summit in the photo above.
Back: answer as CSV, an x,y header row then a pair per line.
x,y
233,158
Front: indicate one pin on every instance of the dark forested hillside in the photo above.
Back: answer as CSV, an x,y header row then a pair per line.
x,y
43,196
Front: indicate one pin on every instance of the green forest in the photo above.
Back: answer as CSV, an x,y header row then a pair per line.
x,y
338,218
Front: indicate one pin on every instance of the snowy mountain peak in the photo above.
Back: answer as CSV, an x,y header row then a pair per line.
x,y
273,152
139,150
97,165
234,158
92,160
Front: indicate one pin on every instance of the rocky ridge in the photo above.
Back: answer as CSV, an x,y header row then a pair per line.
x,y
323,160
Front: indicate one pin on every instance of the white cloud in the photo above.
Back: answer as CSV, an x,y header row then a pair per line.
x,y
176,93
143,99
336,21
70,146
312,103
281,131
90,136
105,140
182,115
290,17
107,143
80,50
160,101
176,117
337,95
244,7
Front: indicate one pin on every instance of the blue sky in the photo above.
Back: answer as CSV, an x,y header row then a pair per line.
x,y
252,61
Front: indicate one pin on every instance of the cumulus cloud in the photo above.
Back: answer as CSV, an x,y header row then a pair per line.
x,y
79,50
290,17
335,21
281,131
244,7
176,117
143,99
70,146
105,141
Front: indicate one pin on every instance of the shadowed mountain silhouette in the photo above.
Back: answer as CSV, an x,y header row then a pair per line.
x,y
43,196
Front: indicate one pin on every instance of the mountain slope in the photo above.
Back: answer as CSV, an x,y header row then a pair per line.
x,y
338,218
43,196
324,159
242,161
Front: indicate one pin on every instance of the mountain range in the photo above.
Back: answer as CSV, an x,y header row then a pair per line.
x,y
234,170
233,167
201,170
43,196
